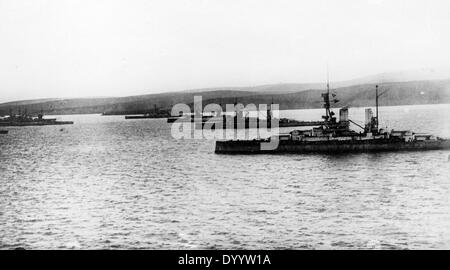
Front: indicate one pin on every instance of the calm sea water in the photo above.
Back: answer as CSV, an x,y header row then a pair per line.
x,y
110,183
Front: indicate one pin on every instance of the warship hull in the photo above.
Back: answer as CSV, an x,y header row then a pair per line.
x,y
354,146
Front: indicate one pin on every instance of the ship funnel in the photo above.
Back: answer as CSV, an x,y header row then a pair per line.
x,y
369,116
343,114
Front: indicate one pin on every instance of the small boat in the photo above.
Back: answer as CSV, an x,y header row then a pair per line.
x,y
3,131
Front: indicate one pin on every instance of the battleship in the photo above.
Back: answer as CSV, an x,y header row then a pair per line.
x,y
27,120
333,136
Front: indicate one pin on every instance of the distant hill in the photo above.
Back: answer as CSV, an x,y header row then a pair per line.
x,y
403,93
424,74
289,96
125,105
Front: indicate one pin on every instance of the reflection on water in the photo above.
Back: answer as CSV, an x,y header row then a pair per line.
x,y
109,183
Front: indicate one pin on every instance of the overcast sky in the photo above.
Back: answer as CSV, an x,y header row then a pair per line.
x,y
63,48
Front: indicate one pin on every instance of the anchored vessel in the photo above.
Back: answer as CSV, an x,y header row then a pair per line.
x,y
155,113
241,121
27,120
145,116
334,136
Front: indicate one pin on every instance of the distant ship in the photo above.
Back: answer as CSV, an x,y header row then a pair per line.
x,y
28,120
336,137
146,116
240,121
3,131
155,113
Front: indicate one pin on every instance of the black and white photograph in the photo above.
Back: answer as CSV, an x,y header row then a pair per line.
x,y
212,125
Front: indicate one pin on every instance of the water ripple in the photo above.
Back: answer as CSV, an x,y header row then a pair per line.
x,y
107,183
